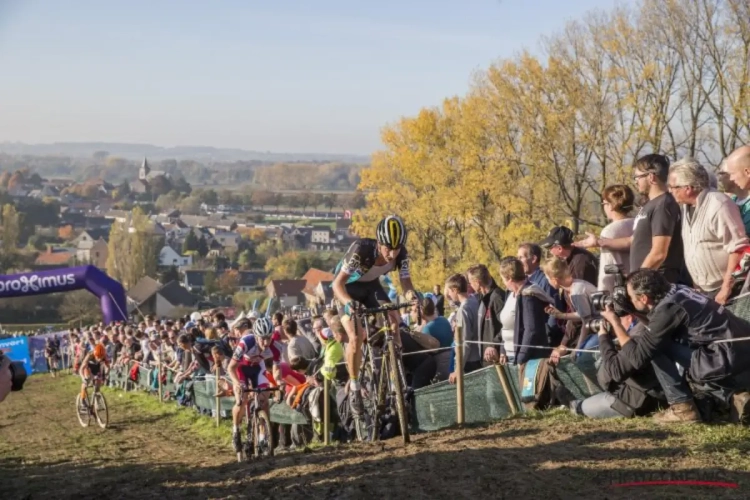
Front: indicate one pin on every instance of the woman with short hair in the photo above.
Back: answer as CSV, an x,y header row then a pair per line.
x,y
524,322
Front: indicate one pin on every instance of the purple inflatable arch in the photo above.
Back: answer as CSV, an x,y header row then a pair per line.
x,y
110,292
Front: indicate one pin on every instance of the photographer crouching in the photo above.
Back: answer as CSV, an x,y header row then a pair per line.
x,y
628,391
683,329
12,376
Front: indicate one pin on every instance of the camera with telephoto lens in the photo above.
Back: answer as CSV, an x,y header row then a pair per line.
x,y
618,299
593,325
17,373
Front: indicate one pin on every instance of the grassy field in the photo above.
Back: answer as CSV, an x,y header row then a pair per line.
x,y
155,450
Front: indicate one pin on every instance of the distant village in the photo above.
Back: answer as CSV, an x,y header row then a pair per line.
x,y
223,230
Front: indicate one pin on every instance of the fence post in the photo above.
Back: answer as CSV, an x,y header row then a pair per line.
x,y
459,341
506,388
326,414
158,375
218,397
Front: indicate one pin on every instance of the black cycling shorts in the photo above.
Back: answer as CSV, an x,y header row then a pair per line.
x,y
368,293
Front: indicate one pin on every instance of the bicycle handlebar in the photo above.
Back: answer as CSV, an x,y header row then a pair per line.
x,y
258,391
385,308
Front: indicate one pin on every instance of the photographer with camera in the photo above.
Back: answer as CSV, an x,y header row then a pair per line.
x,y
683,327
628,391
12,376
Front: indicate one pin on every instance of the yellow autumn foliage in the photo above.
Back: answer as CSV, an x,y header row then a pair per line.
x,y
536,140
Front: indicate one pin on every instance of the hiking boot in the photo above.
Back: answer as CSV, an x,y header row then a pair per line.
x,y
237,441
679,413
739,411
356,403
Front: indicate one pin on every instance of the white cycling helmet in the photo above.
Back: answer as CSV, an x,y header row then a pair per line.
x,y
263,328
196,316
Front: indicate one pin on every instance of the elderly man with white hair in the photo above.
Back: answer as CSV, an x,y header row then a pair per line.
x,y
713,233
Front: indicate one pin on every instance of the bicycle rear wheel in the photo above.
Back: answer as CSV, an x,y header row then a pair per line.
x,y
100,410
398,393
262,427
82,411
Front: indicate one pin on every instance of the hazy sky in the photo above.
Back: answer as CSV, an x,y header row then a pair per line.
x,y
276,75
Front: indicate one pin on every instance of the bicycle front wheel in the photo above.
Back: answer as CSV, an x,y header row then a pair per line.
x,y
365,425
263,437
398,393
100,410
82,411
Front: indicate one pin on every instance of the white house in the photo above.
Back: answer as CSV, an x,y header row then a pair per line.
x,y
170,257
323,236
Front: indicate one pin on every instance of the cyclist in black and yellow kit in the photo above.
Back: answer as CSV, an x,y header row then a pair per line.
x,y
94,363
357,281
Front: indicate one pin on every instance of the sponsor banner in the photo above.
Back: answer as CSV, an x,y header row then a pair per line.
x,y
17,349
36,349
33,283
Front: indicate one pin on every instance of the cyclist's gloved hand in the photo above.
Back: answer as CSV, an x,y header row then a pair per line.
x,y
350,307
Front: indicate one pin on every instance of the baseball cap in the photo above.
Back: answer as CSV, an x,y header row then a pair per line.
x,y
559,235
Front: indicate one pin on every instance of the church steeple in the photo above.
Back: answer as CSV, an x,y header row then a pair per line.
x,y
144,171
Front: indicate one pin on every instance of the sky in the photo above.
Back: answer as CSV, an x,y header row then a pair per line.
x,y
288,76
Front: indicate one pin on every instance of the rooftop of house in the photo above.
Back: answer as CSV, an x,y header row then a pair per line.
x,y
287,287
54,257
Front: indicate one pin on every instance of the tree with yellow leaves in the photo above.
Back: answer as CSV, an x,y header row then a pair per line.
x,y
535,141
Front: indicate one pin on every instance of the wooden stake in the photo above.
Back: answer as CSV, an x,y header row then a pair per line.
x,y
326,413
506,388
461,417
218,398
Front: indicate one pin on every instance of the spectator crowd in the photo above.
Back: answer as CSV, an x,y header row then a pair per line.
x,y
653,303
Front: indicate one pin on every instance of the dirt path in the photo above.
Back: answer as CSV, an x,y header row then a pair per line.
x,y
154,451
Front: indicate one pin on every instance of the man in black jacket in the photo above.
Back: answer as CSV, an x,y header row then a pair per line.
x,y
491,302
628,392
683,328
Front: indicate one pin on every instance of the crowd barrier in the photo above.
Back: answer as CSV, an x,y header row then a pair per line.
x,y
204,390
486,395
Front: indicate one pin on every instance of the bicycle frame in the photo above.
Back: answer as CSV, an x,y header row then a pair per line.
x,y
391,376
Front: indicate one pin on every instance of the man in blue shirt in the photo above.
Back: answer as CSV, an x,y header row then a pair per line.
x,y
530,255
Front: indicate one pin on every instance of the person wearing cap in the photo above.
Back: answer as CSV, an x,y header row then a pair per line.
x,y
583,264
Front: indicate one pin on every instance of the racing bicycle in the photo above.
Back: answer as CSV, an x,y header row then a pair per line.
x,y
381,377
93,405
258,425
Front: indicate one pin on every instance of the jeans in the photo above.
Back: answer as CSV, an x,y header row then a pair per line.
x,y
591,342
673,382
598,406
